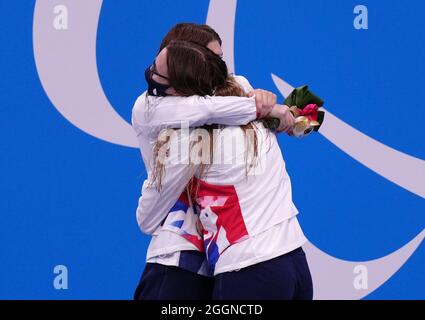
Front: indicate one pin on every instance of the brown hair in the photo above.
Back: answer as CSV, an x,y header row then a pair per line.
x,y
194,69
200,34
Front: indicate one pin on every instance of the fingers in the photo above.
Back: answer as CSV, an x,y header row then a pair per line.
x,y
287,120
259,102
290,122
285,128
265,101
271,98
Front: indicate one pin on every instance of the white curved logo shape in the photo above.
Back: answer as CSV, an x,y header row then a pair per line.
x,y
66,64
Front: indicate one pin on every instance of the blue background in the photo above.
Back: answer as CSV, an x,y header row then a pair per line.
x,y
68,198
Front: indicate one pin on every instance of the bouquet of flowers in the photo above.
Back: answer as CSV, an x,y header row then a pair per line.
x,y
305,108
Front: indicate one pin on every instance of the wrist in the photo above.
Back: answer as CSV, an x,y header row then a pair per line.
x,y
276,111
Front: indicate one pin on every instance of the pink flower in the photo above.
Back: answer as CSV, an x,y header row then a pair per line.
x,y
310,111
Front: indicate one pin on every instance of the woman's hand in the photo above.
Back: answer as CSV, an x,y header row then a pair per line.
x,y
287,120
265,101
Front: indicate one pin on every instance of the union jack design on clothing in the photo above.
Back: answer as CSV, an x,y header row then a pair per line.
x,y
221,218
182,219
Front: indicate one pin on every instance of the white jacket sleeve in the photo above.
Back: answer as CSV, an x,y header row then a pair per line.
x,y
155,205
157,114
153,114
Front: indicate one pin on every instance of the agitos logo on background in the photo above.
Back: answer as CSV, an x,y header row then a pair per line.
x,y
69,58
